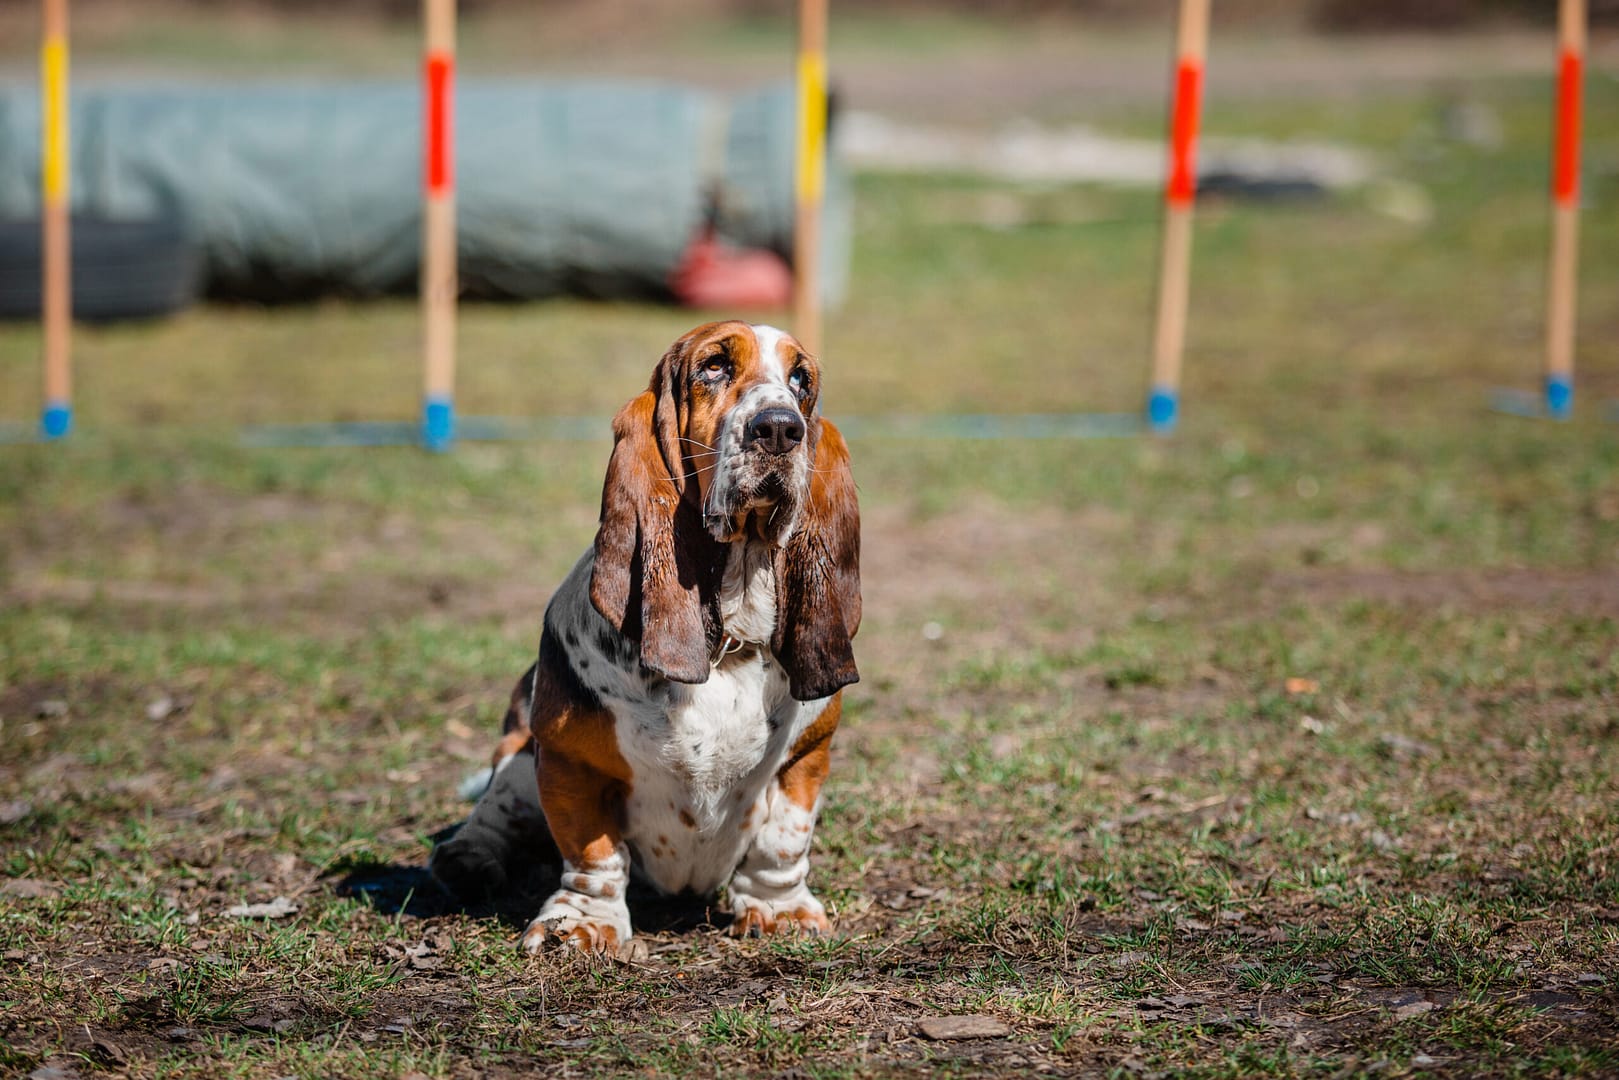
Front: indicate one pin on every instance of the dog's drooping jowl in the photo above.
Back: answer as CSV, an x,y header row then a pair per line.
x,y
678,722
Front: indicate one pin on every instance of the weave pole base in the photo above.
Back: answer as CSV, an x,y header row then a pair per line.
x,y
56,421
438,424
1163,410
1554,402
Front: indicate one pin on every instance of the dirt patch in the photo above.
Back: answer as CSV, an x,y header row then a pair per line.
x,y
1594,592
298,563
983,577
980,565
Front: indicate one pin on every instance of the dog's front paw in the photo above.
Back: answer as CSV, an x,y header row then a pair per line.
x,y
801,914
572,920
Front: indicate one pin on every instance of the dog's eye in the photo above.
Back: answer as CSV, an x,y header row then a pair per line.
x,y
716,367
798,382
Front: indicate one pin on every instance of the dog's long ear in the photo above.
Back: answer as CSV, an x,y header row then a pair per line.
x,y
644,582
818,577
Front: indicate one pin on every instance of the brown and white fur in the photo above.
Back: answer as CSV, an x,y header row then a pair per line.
x,y
678,722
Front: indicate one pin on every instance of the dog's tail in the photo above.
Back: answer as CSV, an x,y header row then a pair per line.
x,y
515,735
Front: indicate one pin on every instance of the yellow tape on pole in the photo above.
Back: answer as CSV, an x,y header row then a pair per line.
x,y
811,126
53,76
810,175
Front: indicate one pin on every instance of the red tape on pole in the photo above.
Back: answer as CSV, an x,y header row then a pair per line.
x,y
1183,134
440,67
1566,164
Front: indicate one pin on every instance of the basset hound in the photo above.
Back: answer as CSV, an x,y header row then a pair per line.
x,y
678,722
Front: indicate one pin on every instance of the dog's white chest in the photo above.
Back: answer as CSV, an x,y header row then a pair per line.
x,y
700,762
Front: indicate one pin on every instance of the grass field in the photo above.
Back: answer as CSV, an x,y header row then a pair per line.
x,y
1284,747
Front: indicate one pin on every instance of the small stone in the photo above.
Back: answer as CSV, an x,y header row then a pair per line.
x,y
108,1053
279,908
944,1028
1398,747
266,1022
50,709
30,889
1413,1009
53,1072
1126,960
932,631
633,951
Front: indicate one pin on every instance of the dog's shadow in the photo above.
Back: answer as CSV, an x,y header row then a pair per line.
x,y
397,889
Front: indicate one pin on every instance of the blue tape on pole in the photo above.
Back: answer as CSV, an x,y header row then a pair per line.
x,y
1559,396
438,424
56,421
1163,409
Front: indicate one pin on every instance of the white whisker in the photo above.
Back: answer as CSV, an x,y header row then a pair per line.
x,y
694,472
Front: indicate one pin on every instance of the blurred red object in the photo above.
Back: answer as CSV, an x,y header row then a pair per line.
x,y
713,274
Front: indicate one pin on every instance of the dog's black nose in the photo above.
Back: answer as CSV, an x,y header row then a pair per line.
x,y
775,431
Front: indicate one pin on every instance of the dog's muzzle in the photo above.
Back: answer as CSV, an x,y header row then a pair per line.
x,y
774,431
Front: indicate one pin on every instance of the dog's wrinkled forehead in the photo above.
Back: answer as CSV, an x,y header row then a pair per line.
x,y
732,364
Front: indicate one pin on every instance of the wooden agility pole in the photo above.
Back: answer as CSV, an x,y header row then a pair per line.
x,y
1563,276
810,184
1180,194
56,285
439,282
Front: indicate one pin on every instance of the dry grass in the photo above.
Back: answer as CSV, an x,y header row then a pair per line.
x,y
1284,747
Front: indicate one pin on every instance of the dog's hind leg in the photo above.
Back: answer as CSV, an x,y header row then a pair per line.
x,y
507,824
